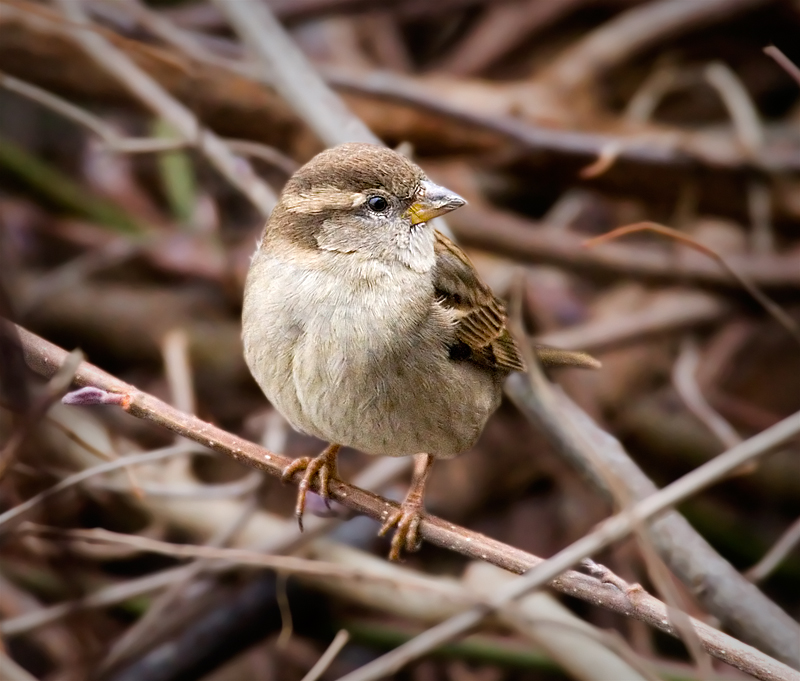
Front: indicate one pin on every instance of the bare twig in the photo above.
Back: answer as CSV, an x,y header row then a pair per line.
x,y
585,652
644,102
684,378
293,77
521,239
629,32
132,459
711,578
750,131
44,358
672,147
671,311
740,106
81,116
153,622
608,532
116,593
178,370
229,490
116,62
624,498
742,279
136,145
339,642
287,564
282,540
772,558
654,147
788,65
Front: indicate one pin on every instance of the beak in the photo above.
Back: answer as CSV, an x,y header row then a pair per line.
x,y
433,202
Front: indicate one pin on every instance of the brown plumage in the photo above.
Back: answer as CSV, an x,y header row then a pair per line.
x,y
366,327
481,325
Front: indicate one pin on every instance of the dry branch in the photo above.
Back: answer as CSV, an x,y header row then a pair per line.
x,y
609,531
631,31
671,311
45,359
155,97
428,112
523,239
776,271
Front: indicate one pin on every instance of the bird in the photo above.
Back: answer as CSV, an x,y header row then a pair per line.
x,y
366,327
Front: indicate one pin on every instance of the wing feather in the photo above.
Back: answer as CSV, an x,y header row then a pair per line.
x,y
481,325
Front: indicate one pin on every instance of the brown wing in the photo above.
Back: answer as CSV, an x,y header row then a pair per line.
x,y
481,332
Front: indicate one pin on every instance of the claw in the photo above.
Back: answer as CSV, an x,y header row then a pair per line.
x,y
407,518
323,467
406,536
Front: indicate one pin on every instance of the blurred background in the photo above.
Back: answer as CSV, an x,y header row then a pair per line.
x,y
125,236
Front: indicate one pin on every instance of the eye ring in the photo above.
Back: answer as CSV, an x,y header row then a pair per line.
x,y
377,204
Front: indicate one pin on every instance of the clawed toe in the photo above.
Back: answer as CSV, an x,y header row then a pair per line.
x,y
323,467
297,465
406,536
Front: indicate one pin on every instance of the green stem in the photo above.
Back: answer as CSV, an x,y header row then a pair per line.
x,y
61,190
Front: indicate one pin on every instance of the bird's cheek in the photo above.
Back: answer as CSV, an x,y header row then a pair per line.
x,y
334,235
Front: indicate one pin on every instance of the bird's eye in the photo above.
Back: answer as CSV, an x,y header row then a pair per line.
x,y
377,204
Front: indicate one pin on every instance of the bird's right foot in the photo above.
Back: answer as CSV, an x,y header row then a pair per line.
x,y
323,467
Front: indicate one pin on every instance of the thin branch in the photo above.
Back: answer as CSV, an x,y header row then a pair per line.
x,y
630,32
623,497
741,278
608,532
655,146
671,311
153,623
684,378
772,558
750,131
45,358
137,145
287,564
788,65
81,116
19,510
111,595
377,475
287,68
339,642
155,97
717,585
740,106
523,240
229,490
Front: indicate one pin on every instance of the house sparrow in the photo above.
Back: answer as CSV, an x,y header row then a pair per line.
x,y
366,327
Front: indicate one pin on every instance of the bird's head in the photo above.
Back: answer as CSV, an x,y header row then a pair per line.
x,y
367,200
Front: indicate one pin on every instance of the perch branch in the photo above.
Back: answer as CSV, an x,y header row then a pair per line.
x,y
44,358
608,532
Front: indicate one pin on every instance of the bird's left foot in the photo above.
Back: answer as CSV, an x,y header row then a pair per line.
x,y
408,517
406,535
323,467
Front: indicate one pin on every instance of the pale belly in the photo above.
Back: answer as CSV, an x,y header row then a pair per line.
x,y
349,369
